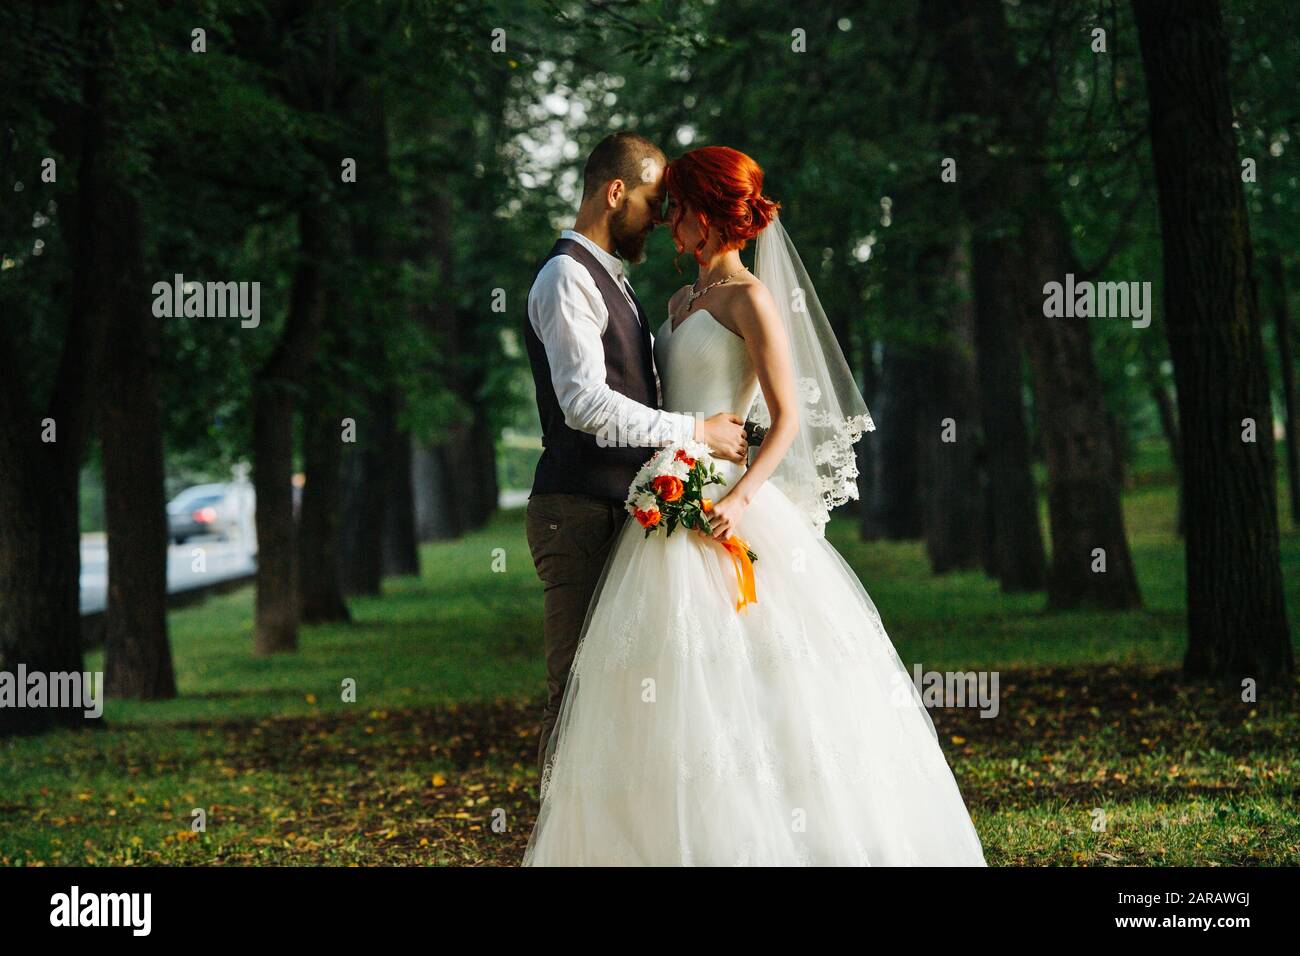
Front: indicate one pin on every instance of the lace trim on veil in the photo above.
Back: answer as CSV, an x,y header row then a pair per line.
x,y
819,470
836,478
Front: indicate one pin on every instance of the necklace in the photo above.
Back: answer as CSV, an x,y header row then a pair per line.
x,y
693,295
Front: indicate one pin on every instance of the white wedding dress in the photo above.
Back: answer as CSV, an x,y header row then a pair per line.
x,y
785,734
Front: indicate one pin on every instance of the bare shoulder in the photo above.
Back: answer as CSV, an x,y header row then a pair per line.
x,y
749,303
758,298
742,305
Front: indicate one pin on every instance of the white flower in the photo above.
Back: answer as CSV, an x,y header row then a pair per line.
x,y
663,462
673,467
696,449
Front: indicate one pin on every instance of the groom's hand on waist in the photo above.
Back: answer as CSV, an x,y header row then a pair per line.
x,y
724,433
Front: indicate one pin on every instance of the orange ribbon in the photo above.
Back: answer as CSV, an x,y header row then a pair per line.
x,y
739,551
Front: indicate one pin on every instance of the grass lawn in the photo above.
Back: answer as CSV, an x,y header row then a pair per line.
x,y
1101,754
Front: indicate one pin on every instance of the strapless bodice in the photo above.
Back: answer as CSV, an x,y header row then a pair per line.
x,y
704,367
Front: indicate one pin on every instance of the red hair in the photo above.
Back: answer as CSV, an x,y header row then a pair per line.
x,y
724,188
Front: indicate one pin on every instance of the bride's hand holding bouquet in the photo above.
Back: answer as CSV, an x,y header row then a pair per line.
x,y
724,516
669,491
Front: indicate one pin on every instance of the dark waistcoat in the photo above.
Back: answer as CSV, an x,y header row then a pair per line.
x,y
575,462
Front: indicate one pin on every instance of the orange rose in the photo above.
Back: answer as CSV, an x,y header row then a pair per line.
x,y
706,505
683,457
668,487
647,519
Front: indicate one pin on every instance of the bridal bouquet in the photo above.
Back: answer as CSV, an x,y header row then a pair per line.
x,y
669,491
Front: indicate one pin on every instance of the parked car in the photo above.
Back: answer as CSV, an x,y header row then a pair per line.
x,y
204,509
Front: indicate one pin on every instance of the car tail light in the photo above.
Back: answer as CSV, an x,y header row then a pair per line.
x,y
205,515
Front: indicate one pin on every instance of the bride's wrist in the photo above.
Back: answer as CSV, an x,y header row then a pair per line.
x,y
742,495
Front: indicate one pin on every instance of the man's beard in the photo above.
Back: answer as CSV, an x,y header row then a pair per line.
x,y
628,243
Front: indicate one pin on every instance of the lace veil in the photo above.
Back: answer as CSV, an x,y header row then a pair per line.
x,y
820,471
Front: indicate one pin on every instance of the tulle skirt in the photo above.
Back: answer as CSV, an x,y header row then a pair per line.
x,y
785,734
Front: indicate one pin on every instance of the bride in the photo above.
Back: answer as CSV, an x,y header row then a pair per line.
x,y
788,732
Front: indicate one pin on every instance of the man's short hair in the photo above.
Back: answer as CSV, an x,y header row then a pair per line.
x,y
619,156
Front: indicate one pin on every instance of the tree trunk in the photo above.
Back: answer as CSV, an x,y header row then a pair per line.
x,y
894,498
953,500
40,544
464,478
469,468
422,498
485,457
1286,361
1237,625
1012,544
1007,194
320,593
1083,489
439,517
1018,559
401,554
466,451
276,626
40,617
361,558
361,564
895,502
137,656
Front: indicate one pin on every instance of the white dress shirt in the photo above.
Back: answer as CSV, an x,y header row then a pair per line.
x,y
569,315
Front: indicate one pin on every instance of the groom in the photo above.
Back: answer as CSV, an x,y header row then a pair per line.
x,y
598,393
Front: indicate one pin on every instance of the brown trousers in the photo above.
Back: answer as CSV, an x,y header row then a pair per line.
x,y
570,537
